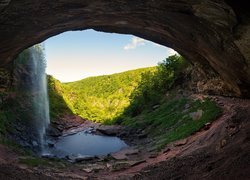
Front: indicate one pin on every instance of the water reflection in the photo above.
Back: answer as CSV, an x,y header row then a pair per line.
x,y
86,144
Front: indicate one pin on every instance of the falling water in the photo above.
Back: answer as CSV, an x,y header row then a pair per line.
x,y
40,96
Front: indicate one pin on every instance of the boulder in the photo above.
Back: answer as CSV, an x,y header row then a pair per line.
x,y
109,130
196,115
54,132
181,142
79,158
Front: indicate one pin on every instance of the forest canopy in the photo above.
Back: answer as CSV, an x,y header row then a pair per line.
x,y
105,98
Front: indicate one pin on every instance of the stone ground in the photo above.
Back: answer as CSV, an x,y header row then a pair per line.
x,y
218,151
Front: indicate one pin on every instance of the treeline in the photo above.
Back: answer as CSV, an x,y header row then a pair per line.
x,y
59,106
154,85
108,98
103,98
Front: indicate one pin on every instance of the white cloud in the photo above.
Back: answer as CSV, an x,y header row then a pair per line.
x,y
171,52
135,42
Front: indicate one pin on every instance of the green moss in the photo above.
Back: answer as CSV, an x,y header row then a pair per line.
x,y
41,162
15,147
182,125
34,162
172,120
2,123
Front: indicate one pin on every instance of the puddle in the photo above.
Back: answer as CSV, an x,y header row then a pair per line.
x,y
86,144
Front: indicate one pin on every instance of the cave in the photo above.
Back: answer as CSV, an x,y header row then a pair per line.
x,y
213,35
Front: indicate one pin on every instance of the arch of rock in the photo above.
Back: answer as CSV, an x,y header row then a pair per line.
x,y
215,34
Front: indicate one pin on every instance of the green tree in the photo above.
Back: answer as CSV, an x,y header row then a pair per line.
x,y
154,84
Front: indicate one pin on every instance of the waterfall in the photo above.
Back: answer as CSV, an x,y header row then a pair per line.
x,y
40,93
30,82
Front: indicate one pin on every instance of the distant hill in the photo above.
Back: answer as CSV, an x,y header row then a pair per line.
x,y
100,98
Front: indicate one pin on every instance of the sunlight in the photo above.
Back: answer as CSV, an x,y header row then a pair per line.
x,y
76,55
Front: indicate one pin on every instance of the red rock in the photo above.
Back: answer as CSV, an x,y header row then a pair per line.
x,y
181,142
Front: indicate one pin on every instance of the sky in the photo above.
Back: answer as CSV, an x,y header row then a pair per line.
x,y
75,55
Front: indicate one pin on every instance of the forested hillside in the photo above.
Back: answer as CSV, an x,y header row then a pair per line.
x,y
100,99
144,99
59,105
108,98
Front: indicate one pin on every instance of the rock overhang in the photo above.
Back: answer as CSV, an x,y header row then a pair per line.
x,y
211,33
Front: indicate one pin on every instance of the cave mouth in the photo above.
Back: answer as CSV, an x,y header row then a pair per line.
x,y
211,34
81,140
141,100
134,107
150,96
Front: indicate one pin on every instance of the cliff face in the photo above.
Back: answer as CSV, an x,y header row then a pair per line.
x,y
213,33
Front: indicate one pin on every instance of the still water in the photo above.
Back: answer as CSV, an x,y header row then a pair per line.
x,y
86,144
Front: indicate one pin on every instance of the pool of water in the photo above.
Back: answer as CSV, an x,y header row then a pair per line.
x,y
86,144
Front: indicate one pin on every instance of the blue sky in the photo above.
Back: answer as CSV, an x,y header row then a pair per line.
x,y
76,55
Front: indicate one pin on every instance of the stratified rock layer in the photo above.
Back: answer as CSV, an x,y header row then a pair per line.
x,y
212,33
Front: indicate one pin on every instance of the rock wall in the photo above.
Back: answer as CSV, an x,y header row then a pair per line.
x,y
5,84
212,33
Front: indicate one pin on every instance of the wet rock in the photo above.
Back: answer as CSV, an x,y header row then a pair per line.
x,y
53,132
142,136
60,127
207,126
124,165
48,156
93,168
152,149
109,130
34,143
223,143
108,165
51,143
25,144
132,151
101,158
233,131
155,106
20,128
124,153
79,158
187,106
120,166
135,163
166,150
153,155
119,156
87,170
181,142
89,130
84,158
71,158
72,132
